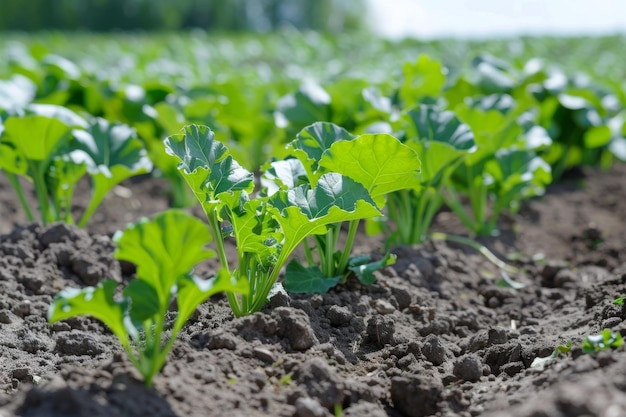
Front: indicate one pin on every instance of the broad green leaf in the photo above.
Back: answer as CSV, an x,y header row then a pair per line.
x,y
311,143
492,131
424,78
301,279
597,136
332,191
364,269
517,174
113,150
493,75
503,103
283,174
164,249
144,301
112,154
309,104
207,165
11,161
431,124
381,163
303,211
36,137
440,139
193,291
98,302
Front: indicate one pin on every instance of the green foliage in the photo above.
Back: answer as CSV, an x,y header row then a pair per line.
x,y
606,340
165,250
53,148
266,229
443,142
171,15
372,165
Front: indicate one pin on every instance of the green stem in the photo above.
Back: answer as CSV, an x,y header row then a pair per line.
x,y
347,249
41,190
15,183
214,225
453,201
95,201
308,253
329,267
478,247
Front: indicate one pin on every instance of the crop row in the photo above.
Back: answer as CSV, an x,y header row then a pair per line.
x,y
321,158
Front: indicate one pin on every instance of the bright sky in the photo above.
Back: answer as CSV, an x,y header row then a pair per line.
x,y
483,18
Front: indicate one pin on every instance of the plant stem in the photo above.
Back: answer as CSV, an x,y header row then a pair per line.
x,y
41,190
15,183
95,201
347,249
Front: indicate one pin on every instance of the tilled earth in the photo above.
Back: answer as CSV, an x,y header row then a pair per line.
x,y
436,335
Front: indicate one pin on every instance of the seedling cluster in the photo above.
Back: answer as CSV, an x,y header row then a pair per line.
x,y
278,166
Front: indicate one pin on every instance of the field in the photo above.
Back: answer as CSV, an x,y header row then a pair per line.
x,y
458,250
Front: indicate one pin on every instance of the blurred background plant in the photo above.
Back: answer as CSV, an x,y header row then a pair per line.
x,y
108,15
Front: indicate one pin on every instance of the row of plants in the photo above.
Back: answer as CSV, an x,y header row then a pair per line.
x,y
324,158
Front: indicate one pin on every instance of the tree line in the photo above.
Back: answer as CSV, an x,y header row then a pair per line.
x,y
225,15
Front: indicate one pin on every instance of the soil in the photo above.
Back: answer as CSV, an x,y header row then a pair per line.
x,y
436,335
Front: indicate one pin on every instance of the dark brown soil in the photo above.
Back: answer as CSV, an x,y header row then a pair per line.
x,y
434,336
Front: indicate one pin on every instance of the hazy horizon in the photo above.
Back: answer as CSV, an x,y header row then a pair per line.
x,y
495,18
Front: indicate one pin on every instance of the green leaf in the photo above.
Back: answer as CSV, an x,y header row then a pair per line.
x,y
309,104
493,75
303,211
519,173
381,163
36,137
254,227
301,279
207,165
424,78
193,291
284,174
333,191
98,302
431,124
112,154
11,160
364,269
311,143
164,249
144,301
604,341
619,301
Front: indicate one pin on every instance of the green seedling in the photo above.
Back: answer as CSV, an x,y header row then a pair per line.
x,y
606,340
165,251
267,229
377,165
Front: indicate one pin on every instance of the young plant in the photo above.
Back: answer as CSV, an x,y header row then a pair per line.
x,y
54,148
443,142
540,363
266,230
606,340
165,251
378,162
503,170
